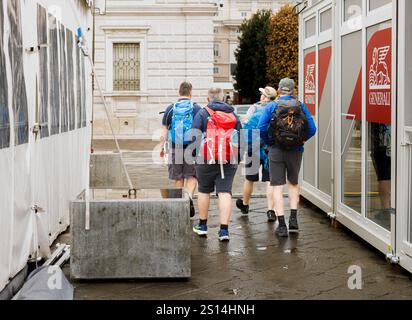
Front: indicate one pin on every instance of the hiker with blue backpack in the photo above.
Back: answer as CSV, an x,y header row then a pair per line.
x,y
257,155
216,130
285,126
176,126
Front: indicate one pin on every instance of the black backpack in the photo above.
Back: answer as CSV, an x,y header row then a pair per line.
x,y
288,126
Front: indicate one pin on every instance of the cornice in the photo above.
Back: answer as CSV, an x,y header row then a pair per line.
x,y
159,9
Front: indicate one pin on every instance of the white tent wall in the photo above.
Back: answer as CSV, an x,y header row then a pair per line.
x,y
47,170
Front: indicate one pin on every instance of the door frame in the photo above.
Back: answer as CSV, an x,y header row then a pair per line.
x,y
402,248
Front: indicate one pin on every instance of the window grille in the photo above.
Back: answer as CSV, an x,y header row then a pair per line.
x,y
126,66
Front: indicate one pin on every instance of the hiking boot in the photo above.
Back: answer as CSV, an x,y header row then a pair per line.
x,y
192,209
224,235
242,207
293,224
282,229
271,216
200,230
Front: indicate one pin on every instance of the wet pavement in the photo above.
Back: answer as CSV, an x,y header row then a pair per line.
x,y
256,264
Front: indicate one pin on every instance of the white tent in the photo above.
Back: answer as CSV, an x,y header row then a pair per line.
x,y
45,83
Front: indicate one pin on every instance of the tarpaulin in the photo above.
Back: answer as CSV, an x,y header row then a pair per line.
x,y
40,173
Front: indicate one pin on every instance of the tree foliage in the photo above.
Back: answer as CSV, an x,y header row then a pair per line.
x,y
283,46
250,73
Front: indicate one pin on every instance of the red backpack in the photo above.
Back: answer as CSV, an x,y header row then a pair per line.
x,y
219,146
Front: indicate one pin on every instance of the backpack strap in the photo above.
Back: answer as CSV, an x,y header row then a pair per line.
x,y
169,117
209,111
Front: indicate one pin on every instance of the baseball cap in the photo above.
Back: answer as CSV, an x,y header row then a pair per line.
x,y
287,85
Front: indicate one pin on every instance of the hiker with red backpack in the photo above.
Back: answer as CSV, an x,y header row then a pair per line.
x,y
285,126
176,126
257,155
216,130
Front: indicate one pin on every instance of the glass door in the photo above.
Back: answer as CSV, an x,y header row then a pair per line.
x,y
316,91
364,124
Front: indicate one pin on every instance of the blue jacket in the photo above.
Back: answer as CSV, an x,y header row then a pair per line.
x,y
267,117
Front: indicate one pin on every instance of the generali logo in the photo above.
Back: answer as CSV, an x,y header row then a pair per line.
x,y
378,72
379,77
310,79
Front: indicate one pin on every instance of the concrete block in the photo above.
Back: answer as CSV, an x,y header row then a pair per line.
x,y
106,171
148,237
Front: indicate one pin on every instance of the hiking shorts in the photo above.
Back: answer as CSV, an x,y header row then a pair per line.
x,y
210,178
180,170
284,164
252,172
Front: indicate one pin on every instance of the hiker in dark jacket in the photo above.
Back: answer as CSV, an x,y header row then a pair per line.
x,y
285,164
214,174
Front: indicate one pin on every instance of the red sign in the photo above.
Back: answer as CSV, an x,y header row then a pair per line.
x,y
325,55
309,93
379,86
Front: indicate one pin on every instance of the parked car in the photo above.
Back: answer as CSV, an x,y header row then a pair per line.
x,y
241,110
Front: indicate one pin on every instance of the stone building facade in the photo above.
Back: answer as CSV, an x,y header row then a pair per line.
x,y
144,50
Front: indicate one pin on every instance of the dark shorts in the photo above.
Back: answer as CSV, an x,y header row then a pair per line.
x,y
382,164
284,165
252,172
210,179
179,170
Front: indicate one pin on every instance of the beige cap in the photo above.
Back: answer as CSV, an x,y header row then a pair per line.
x,y
269,92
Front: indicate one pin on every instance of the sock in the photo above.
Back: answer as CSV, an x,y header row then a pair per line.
x,y
293,213
224,227
203,222
281,220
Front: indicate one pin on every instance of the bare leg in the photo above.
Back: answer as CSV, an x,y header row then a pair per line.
x,y
270,197
293,191
179,183
203,202
278,200
191,185
385,188
225,208
247,192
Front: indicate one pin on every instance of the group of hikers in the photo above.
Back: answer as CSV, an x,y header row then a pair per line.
x,y
204,147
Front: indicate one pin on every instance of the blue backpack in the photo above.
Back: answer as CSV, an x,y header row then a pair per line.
x,y
254,141
181,122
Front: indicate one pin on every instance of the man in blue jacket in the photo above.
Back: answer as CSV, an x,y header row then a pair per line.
x,y
285,163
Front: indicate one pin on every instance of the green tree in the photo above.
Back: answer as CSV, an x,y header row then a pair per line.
x,y
283,46
250,73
